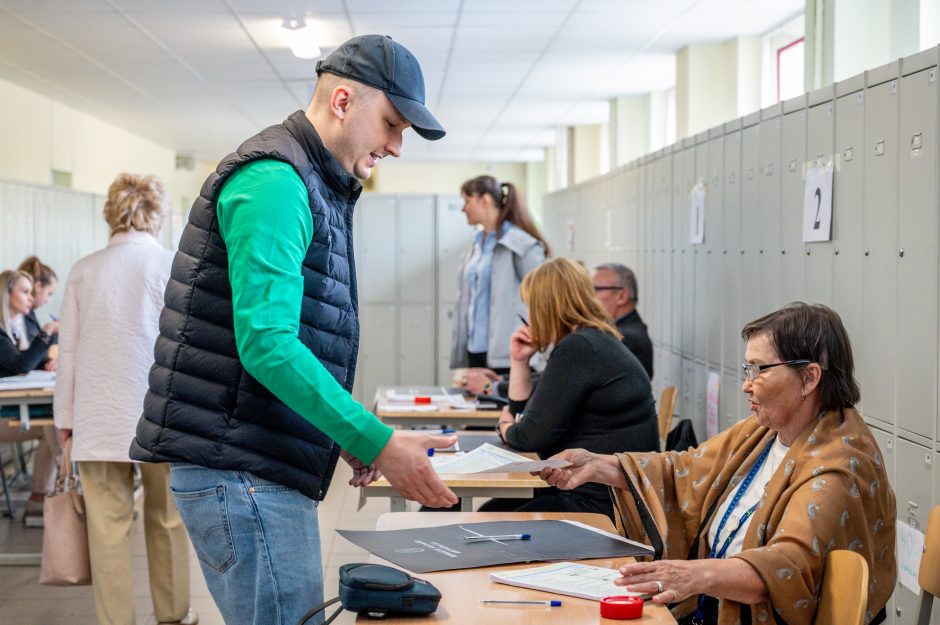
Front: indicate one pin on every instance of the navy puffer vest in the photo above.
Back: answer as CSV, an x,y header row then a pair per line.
x,y
203,408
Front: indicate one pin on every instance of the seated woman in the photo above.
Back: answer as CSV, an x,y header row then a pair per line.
x,y
593,393
742,524
20,354
45,282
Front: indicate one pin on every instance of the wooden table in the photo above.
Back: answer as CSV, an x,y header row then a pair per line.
x,y
24,398
463,590
445,414
503,485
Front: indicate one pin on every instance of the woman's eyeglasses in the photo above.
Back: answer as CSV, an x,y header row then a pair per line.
x,y
609,288
751,371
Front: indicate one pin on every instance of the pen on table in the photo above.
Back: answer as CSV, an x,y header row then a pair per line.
x,y
522,319
53,317
554,603
476,539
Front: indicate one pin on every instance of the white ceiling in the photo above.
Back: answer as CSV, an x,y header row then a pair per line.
x,y
200,76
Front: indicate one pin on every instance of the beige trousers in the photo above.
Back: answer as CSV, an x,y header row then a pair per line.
x,y
109,500
47,456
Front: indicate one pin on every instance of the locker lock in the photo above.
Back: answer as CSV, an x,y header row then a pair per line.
x,y
917,141
808,251
901,252
897,610
837,251
760,251
867,251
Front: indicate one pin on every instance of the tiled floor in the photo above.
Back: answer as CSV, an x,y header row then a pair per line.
x,y
23,601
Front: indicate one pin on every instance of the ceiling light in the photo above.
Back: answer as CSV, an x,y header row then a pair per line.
x,y
300,38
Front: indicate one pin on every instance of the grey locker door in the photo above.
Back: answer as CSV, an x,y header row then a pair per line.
x,y
377,350
686,390
376,267
663,286
714,219
793,155
919,241
16,211
729,407
751,230
445,319
701,294
732,345
880,272
915,499
688,308
416,363
676,249
769,244
453,239
847,223
819,256
416,248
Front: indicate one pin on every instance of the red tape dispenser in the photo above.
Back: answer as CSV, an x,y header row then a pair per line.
x,y
621,608
422,400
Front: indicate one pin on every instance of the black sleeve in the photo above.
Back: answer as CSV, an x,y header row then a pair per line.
x,y
554,404
15,362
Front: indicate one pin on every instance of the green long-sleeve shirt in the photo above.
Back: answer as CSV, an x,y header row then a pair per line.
x,y
265,221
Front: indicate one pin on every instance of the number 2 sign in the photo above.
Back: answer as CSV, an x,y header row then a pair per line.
x,y
817,204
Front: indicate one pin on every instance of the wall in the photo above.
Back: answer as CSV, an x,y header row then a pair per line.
x,y
880,271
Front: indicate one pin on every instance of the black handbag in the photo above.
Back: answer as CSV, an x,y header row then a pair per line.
x,y
379,590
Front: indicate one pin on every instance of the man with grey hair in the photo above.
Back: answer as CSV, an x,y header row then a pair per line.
x,y
617,291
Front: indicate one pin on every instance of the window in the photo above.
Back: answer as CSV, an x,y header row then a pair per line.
x,y
790,70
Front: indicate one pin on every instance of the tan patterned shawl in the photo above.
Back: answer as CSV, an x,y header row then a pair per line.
x,y
830,492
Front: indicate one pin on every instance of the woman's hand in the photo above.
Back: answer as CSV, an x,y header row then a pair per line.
x,y
49,365
363,474
680,579
51,328
584,468
521,347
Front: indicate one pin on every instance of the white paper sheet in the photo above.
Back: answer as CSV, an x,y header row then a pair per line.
x,y
491,459
817,203
33,379
567,578
910,549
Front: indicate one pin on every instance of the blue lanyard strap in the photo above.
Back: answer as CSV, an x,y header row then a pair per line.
x,y
717,552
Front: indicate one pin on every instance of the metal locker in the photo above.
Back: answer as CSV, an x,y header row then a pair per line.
x,y
918,244
701,295
848,190
415,352
880,270
377,354
677,245
769,243
453,239
686,389
687,292
731,350
700,394
416,248
820,134
792,158
663,286
914,491
729,404
376,267
17,215
886,445
714,219
445,321
748,244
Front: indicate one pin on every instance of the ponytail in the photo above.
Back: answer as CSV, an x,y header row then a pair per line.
x,y
40,274
511,205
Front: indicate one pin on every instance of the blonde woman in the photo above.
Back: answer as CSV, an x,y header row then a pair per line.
x,y
593,390
45,283
21,353
110,318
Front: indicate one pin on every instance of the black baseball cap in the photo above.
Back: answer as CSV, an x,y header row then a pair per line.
x,y
379,62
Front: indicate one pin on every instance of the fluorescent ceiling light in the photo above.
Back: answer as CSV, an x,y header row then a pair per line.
x,y
300,38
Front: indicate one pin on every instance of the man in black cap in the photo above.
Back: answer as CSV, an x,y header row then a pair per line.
x,y
249,394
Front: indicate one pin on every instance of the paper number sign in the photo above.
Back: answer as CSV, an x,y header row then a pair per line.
x,y
697,216
817,204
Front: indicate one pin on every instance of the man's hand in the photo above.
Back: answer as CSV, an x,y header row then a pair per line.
x,y
404,462
363,474
478,377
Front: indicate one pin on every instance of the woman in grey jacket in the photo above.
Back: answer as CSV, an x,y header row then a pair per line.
x,y
505,248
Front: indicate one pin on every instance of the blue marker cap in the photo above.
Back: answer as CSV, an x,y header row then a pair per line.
x,y
527,537
555,603
430,452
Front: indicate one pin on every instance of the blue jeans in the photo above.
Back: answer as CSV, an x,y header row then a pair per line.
x,y
258,544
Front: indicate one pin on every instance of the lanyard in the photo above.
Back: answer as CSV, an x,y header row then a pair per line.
x,y
717,552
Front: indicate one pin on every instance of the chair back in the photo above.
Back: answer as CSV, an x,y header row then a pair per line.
x,y
843,597
928,577
667,405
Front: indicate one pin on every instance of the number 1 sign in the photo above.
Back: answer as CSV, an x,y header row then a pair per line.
x,y
817,203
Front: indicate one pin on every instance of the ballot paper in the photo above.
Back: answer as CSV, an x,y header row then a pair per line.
x,y
567,578
491,459
32,380
435,394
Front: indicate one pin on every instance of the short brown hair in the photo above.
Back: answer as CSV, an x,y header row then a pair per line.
x,y
813,332
42,274
136,203
561,298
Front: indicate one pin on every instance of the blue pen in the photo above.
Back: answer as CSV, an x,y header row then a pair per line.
x,y
476,539
53,317
430,452
554,603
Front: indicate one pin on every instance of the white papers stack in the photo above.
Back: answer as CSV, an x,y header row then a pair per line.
x,y
491,459
436,394
32,380
567,578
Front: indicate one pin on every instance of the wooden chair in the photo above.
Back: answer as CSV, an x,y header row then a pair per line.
x,y
928,577
667,405
843,597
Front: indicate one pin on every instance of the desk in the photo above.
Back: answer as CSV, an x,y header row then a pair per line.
x,y
462,590
444,415
503,485
23,398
